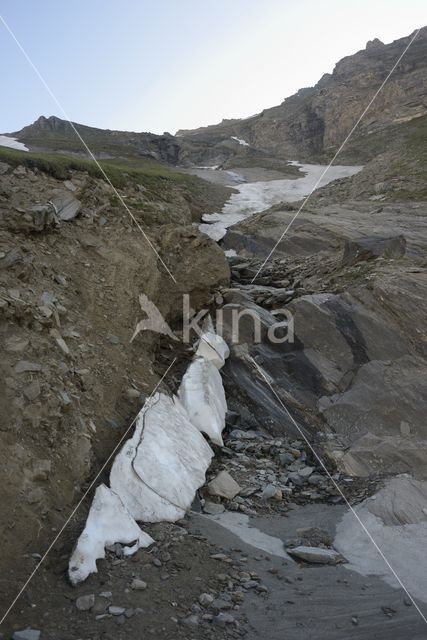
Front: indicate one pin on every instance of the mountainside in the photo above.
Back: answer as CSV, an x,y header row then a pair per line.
x,y
55,134
312,123
308,126
318,393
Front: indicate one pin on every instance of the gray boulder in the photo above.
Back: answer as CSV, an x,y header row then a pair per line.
x,y
66,205
373,247
316,555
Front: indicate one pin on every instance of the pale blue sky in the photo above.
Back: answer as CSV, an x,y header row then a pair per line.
x,y
160,65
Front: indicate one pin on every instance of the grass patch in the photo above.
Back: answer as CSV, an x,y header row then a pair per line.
x,y
160,181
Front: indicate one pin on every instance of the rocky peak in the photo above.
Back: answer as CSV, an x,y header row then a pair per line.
x,y
374,45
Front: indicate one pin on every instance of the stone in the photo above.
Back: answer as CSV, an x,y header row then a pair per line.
x,y
286,458
64,397
315,535
23,366
220,604
373,247
270,491
191,621
16,344
224,486
248,491
32,391
316,555
41,469
213,508
138,585
85,603
305,472
63,346
223,619
115,610
66,204
296,479
60,279
70,185
132,393
206,599
244,435
26,634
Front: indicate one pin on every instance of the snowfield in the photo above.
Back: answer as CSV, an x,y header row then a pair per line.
x,y
7,141
253,197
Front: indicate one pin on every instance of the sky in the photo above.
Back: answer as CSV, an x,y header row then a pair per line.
x,y
163,65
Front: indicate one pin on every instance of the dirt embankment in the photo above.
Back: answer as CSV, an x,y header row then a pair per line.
x,y
68,308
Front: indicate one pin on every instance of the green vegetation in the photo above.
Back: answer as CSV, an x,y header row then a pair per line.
x,y
266,162
159,181
118,171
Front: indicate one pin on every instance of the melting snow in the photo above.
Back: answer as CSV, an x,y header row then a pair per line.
x,y
13,143
157,472
108,522
240,141
253,197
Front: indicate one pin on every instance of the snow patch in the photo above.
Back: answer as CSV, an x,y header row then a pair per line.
x,y
240,141
202,394
160,468
157,472
254,197
403,501
108,522
12,143
213,347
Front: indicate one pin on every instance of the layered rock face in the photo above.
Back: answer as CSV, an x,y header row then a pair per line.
x,y
315,121
354,374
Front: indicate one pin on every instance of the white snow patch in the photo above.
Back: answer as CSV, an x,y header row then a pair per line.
x,y
202,394
157,472
402,544
253,197
160,468
108,522
213,347
240,141
13,143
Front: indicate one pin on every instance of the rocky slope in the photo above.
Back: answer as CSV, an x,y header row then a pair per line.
x,y
311,124
308,126
351,271
72,265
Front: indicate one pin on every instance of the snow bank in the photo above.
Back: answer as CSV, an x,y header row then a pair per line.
x,y
158,471
202,394
240,141
12,143
108,522
254,197
213,348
